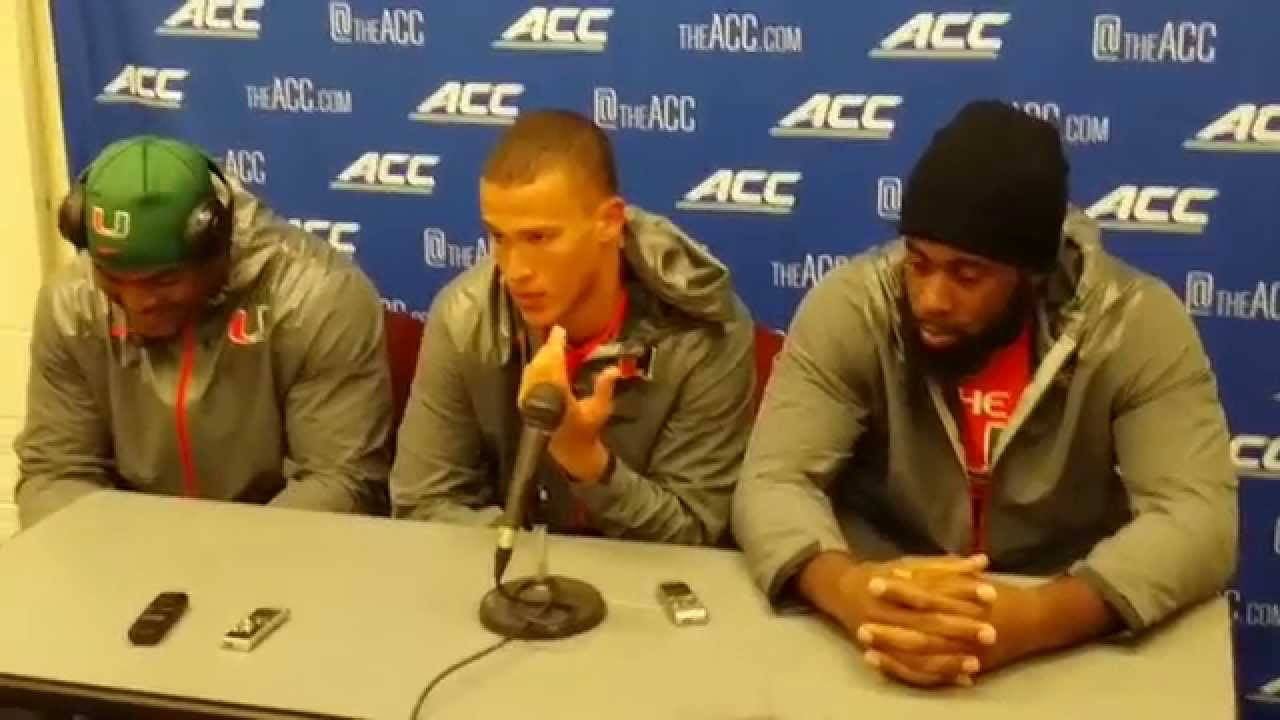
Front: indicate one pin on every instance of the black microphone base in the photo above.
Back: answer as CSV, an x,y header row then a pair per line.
x,y
555,607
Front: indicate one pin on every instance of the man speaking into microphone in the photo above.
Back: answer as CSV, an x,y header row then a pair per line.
x,y
636,324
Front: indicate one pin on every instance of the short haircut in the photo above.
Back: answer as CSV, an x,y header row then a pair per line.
x,y
545,140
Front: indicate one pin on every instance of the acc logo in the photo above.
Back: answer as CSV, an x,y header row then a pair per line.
x,y
572,29
391,172
1256,455
748,191
332,232
1154,208
1187,41
247,166
664,113
807,273
440,253
1204,299
851,117
944,36
142,85
1244,128
478,103
396,26
214,19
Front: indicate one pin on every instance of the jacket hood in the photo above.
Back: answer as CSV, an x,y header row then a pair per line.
x,y
675,268
253,241
259,238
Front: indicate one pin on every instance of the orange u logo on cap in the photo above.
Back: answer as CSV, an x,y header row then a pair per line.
x,y
120,221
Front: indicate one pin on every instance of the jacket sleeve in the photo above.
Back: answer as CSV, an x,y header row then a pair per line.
x,y
64,450
684,493
440,471
337,412
1172,449
814,410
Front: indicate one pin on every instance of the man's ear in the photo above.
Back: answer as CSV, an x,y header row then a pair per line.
x,y
611,217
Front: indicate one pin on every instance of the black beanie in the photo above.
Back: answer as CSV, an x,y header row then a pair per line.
x,y
993,182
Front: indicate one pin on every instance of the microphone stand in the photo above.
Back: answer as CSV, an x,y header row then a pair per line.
x,y
541,607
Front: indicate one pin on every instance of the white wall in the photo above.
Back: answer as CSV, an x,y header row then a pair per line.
x,y
30,143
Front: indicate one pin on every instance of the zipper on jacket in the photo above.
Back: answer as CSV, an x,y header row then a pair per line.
x,y
980,497
190,481
1049,368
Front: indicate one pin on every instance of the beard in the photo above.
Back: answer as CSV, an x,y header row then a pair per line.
x,y
969,353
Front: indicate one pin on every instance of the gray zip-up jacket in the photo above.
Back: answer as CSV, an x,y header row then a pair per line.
x,y
284,386
678,436
1114,466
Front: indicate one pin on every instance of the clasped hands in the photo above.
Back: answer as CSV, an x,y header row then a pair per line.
x,y
931,621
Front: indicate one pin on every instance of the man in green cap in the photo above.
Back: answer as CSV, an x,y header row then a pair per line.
x,y
200,346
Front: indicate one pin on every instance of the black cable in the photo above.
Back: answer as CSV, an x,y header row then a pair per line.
x,y
417,706
540,609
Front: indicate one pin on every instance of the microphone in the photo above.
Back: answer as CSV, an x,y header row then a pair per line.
x,y
542,410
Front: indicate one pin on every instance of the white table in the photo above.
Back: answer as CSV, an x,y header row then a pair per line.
x,y
380,606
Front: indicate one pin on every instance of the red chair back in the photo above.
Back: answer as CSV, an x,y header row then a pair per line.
x,y
768,343
404,337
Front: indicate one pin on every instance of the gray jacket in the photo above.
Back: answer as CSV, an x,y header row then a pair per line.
x,y
287,394
1114,467
678,436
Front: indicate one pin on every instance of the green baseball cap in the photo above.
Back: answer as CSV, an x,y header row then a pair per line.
x,y
139,194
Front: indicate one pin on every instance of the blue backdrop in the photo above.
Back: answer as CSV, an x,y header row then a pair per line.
x,y
775,131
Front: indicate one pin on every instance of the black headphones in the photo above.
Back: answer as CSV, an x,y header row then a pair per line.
x,y
208,230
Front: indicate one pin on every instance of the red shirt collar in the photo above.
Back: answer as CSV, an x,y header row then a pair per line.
x,y
576,355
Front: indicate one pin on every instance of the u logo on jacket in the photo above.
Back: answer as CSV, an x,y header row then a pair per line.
x,y
241,332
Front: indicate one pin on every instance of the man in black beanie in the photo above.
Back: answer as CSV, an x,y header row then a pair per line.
x,y
990,392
